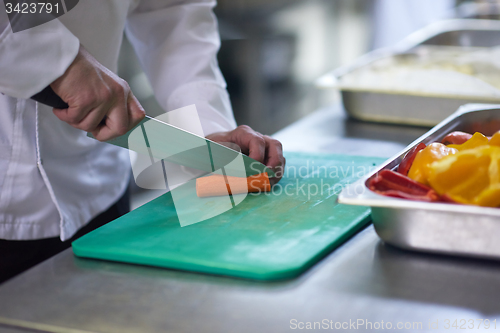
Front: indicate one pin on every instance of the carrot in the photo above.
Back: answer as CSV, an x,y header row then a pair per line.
x,y
216,185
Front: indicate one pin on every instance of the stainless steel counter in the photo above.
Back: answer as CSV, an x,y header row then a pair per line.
x,y
363,280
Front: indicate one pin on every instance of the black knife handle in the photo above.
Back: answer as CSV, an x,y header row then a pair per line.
x,y
48,97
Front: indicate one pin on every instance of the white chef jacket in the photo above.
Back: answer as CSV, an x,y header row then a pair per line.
x,y
53,179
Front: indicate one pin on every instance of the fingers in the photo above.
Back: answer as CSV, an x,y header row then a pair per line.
x,y
274,158
136,111
274,152
86,118
120,119
257,148
93,119
78,110
260,147
99,101
268,151
111,118
252,143
72,115
115,124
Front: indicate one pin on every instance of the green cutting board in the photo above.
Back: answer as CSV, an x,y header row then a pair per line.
x,y
276,235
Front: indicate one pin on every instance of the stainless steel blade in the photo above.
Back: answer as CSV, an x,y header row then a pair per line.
x,y
162,141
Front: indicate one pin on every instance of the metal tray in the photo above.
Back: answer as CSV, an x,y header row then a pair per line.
x,y
461,230
414,108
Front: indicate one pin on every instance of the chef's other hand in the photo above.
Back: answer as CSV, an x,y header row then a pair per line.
x,y
99,101
259,147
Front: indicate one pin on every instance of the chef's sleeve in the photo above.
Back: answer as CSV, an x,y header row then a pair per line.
x,y
32,59
177,44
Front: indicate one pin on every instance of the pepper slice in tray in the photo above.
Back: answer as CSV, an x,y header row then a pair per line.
x,y
477,140
407,161
495,140
471,176
456,138
419,170
394,184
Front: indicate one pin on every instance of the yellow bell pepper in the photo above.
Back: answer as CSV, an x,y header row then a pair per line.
x,y
495,140
477,140
419,170
490,197
471,176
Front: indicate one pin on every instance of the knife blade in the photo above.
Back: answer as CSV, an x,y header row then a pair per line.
x,y
162,141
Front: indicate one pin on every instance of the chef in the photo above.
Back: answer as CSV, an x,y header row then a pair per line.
x,y
56,184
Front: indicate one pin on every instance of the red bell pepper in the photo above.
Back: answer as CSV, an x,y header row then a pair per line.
x,y
407,161
394,184
456,138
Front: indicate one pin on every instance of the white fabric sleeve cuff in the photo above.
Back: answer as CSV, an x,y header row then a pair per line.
x,y
32,59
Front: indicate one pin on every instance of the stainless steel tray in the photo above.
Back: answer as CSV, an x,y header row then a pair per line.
x,y
435,227
414,108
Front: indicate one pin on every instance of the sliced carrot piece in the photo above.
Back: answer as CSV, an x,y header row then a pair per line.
x,y
218,185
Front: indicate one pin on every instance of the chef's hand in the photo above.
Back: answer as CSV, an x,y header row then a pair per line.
x,y
257,146
99,101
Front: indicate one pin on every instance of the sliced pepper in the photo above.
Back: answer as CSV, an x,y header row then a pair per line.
x,y
471,176
477,140
394,184
495,140
419,170
490,197
407,161
456,138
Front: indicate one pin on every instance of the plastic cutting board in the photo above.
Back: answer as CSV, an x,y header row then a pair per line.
x,y
270,236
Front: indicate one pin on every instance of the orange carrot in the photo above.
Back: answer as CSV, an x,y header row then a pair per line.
x,y
216,185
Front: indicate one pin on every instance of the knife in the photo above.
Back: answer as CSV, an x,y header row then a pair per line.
x,y
162,141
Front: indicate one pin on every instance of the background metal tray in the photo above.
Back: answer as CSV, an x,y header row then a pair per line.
x,y
435,227
414,109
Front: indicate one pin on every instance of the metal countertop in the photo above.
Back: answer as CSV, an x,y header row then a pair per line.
x,y
364,279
